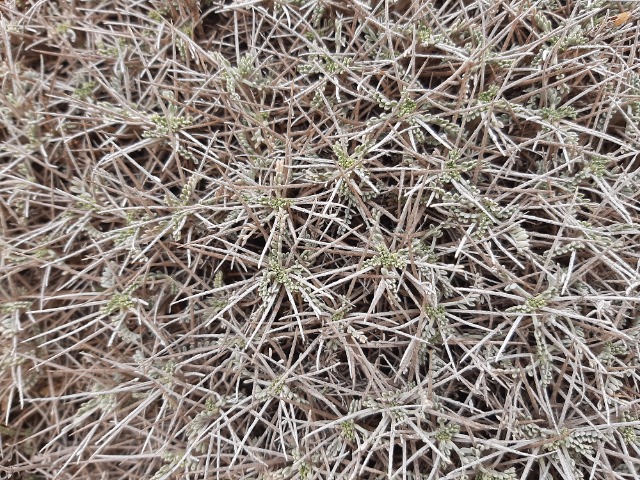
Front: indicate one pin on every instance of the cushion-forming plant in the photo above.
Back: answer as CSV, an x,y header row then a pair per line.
x,y
319,240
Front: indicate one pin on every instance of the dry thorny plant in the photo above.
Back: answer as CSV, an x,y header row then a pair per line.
x,y
318,239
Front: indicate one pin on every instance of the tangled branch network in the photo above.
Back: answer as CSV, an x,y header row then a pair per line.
x,y
319,239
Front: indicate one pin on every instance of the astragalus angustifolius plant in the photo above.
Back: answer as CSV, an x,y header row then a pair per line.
x,y
319,239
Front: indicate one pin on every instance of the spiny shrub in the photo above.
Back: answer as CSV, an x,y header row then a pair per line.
x,y
319,240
